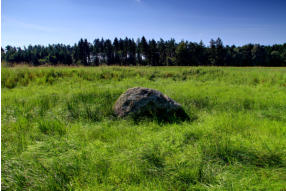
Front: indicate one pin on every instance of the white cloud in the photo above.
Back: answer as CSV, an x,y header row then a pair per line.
x,y
138,1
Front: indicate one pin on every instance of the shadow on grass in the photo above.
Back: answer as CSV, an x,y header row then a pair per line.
x,y
162,117
229,154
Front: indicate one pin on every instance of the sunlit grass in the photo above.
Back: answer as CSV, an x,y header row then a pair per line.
x,y
59,131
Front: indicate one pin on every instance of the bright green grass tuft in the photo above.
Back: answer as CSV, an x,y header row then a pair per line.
x,y
59,131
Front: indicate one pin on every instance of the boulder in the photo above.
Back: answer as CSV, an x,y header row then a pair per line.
x,y
144,102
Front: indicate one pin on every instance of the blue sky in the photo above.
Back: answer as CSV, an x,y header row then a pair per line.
x,y
237,22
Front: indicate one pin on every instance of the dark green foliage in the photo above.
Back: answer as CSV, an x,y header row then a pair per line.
x,y
127,52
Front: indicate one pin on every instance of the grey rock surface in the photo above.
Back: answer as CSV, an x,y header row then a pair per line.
x,y
140,102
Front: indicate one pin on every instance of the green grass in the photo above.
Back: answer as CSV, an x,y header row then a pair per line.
x,y
59,132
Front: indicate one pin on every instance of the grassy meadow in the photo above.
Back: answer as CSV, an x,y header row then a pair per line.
x,y
58,131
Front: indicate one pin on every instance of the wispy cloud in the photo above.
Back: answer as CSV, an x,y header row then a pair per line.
x,y
138,1
30,26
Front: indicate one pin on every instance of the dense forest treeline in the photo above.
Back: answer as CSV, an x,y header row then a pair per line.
x,y
126,52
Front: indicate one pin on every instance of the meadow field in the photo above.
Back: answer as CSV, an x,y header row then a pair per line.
x,y
58,130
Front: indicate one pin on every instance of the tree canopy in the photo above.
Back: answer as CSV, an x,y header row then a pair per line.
x,y
128,52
